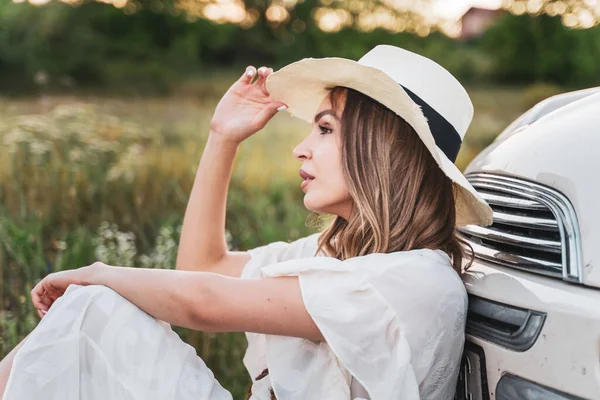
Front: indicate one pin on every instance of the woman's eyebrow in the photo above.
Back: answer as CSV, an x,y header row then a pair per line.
x,y
325,112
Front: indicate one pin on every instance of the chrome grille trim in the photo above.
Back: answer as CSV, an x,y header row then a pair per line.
x,y
526,222
516,240
508,202
516,261
523,205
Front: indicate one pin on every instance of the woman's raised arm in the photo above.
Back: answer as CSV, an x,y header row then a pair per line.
x,y
244,110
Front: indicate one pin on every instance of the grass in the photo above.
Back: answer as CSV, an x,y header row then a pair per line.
x,y
105,178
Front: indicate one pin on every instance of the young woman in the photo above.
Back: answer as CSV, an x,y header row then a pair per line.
x,y
372,307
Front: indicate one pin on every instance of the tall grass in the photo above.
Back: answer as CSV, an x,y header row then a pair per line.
x,y
79,184
108,179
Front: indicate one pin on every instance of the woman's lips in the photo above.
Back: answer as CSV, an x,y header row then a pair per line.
x,y
306,178
305,183
305,175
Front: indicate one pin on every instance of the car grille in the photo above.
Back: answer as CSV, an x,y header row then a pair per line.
x,y
535,228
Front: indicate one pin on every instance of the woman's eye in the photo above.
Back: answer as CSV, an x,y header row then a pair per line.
x,y
324,129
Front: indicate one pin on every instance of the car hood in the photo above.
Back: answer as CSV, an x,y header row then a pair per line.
x,y
560,150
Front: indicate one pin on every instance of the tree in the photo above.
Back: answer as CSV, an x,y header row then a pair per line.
x,y
573,13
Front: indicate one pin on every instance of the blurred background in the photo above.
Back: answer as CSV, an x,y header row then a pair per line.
x,y
105,109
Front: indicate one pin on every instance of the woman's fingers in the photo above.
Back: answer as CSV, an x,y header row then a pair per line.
x,y
261,77
263,72
47,300
248,75
41,298
269,112
36,299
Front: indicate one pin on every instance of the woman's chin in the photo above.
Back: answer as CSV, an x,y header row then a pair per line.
x,y
317,205
312,204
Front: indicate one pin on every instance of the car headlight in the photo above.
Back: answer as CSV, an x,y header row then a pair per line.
x,y
511,387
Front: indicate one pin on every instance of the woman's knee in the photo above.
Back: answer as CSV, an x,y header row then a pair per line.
x,y
95,291
78,298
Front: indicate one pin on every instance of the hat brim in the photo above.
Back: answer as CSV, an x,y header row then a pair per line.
x,y
302,86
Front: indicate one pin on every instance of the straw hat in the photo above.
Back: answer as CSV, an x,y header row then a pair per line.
x,y
416,88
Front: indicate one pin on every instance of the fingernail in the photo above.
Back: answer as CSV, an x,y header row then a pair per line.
x,y
281,108
250,72
44,311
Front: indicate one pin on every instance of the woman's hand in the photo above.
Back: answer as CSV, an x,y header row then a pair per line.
x,y
54,285
245,108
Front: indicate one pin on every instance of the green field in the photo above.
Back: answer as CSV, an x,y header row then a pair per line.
x,y
86,178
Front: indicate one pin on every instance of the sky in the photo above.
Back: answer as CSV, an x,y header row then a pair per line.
x,y
453,9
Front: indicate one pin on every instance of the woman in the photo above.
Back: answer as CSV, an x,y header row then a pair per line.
x,y
370,308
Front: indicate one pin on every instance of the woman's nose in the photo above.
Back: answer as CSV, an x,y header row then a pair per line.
x,y
301,152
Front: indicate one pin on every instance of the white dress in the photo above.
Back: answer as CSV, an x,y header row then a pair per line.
x,y
393,323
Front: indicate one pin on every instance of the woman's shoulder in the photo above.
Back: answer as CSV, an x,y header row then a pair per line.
x,y
426,270
416,260
304,247
281,250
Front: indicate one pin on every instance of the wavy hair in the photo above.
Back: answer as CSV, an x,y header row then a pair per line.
x,y
401,199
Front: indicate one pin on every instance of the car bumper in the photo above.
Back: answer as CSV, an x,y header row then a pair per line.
x,y
564,355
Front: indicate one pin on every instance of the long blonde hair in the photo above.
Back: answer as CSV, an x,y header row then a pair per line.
x,y
401,199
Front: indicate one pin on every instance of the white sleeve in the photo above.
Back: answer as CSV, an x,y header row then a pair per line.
x,y
359,324
277,252
272,253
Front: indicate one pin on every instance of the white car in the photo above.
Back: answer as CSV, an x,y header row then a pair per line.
x,y
533,329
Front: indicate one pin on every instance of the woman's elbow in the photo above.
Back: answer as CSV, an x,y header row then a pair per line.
x,y
202,303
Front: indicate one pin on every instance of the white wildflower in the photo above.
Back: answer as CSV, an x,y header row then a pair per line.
x,y
164,254
115,247
39,147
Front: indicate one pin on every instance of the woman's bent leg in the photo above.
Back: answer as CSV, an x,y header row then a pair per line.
x,y
95,344
6,366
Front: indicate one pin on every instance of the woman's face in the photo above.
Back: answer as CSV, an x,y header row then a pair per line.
x,y
320,153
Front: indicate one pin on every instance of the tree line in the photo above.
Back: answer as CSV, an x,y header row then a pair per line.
x,y
96,45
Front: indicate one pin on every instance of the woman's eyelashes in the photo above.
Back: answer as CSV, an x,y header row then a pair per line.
x,y
324,129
